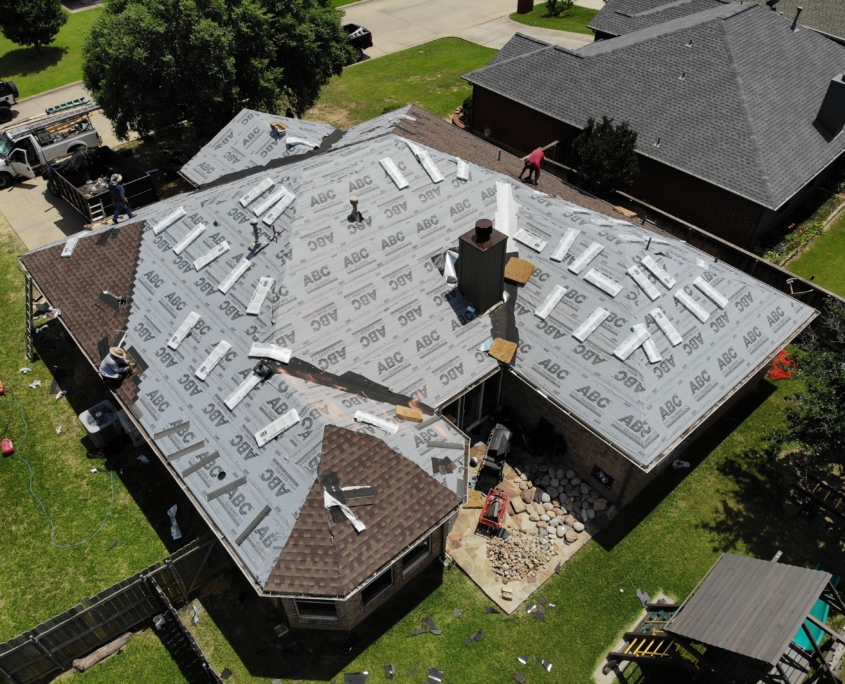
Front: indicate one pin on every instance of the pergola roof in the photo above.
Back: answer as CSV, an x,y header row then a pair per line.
x,y
749,606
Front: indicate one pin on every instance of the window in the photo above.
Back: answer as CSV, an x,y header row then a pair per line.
x,y
377,587
321,610
416,555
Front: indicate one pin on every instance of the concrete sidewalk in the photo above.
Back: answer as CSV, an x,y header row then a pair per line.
x,y
494,34
401,24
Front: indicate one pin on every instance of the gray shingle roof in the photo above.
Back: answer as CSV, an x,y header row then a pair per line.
x,y
827,16
731,93
619,17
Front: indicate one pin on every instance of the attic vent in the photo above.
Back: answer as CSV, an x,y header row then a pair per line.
x,y
689,44
657,144
683,76
832,112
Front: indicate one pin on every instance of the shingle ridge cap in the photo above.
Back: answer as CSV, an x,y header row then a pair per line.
x,y
486,67
746,111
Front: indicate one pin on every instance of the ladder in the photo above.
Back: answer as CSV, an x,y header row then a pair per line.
x,y
98,212
78,102
817,491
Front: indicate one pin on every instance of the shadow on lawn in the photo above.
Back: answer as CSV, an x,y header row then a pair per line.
x,y
247,621
152,488
635,512
762,519
26,62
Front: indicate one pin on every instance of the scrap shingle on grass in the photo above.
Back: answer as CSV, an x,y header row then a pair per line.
x,y
428,75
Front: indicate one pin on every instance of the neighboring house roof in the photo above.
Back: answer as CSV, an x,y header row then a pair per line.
x,y
731,95
826,16
749,606
248,142
330,559
619,17
372,322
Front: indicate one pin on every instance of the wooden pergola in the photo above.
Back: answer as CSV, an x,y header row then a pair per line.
x,y
748,621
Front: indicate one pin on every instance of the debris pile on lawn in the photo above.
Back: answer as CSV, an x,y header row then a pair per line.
x,y
520,555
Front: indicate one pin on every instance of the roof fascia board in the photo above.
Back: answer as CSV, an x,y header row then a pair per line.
x,y
194,501
637,150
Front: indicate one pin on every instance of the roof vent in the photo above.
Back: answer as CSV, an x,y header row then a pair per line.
x,y
798,11
481,265
832,112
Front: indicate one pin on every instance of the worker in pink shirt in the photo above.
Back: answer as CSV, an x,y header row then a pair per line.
x,y
532,165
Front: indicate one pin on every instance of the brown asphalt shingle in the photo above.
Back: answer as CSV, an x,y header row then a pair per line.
x,y
73,284
323,558
441,135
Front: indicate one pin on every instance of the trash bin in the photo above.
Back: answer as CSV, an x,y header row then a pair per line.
x,y
102,423
524,6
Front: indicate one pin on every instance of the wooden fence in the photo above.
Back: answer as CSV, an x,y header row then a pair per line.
x,y
50,648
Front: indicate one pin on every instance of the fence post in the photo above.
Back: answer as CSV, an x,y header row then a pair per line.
x,y
41,647
30,352
5,674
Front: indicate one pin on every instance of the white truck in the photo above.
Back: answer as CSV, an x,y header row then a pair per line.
x,y
26,148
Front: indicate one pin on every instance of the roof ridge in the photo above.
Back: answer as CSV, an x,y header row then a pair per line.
x,y
548,46
760,163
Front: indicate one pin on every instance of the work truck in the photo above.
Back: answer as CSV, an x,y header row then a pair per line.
x,y
28,147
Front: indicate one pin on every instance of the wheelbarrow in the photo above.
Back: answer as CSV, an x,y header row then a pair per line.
x,y
493,511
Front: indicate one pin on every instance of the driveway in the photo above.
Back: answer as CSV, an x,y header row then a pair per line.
x,y
36,216
401,24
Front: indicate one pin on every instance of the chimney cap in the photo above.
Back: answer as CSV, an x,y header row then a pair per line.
x,y
494,237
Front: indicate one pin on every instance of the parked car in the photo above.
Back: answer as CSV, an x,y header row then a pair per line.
x,y
360,38
27,148
8,97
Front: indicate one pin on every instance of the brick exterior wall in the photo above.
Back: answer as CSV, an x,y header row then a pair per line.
x,y
351,611
520,129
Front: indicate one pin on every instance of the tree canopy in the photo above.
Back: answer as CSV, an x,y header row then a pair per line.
x,y
153,63
815,416
31,22
605,157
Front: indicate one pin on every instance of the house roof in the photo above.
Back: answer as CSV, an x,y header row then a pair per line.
x,y
326,558
248,142
619,17
372,322
729,95
826,16
749,606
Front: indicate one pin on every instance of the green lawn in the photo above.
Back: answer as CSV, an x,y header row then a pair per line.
x,y
575,19
825,258
428,75
37,580
60,64
341,3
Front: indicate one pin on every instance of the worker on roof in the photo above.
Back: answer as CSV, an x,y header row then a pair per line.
x,y
115,365
532,164
118,196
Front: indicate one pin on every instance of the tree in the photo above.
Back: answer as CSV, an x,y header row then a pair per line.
x,y
605,157
557,7
815,416
154,63
31,22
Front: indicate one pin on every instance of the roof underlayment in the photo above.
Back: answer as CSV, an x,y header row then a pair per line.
x,y
363,298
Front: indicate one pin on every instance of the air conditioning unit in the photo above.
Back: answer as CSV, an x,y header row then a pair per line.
x,y
102,423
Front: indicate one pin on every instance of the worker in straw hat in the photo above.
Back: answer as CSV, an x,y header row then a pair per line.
x,y
116,365
118,197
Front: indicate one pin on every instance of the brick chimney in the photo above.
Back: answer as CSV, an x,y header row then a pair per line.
x,y
832,112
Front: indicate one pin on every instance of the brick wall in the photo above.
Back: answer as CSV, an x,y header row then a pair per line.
x,y
351,611
584,449
520,129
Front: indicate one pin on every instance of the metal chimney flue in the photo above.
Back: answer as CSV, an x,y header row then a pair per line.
x,y
798,11
481,265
